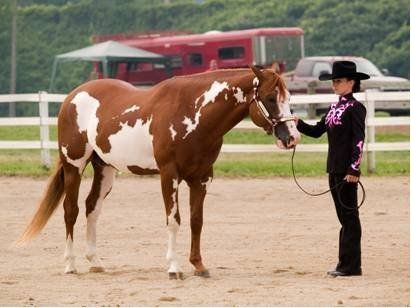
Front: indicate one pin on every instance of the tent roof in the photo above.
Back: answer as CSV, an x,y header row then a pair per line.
x,y
110,51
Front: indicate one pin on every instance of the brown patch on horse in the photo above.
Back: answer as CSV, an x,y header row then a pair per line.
x,y
98,166
69,138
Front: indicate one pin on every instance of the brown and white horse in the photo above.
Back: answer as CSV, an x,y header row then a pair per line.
x,y
175,129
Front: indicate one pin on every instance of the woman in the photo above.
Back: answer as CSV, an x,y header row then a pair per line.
x,y
344,123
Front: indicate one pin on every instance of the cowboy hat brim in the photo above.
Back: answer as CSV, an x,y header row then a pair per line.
x,y
356,75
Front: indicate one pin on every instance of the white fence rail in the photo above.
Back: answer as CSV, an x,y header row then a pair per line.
x,y
369,98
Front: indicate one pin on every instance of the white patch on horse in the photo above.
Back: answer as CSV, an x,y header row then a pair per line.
x,y
131,109
137,139
191,125
207,97
69,257
86,107
211,94
173,227
226,97
139,144
256,82
239,95
173,132
105,187
80,163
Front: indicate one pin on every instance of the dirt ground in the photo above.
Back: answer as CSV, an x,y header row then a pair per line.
x,y
264,242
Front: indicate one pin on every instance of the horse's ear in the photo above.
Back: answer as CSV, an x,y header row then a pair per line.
x,y
257,72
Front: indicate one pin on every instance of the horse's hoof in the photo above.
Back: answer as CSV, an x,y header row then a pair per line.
x,y
204,274
72,271
96,269
175,276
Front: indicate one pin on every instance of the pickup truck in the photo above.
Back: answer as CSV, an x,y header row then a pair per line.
x,y
304,80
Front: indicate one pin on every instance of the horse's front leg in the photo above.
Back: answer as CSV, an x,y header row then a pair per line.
x,y
198,190
169,186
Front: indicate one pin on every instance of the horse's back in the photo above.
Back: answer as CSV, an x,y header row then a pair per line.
x,y
103,89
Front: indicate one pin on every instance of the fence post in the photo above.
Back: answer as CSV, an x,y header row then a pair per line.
x,y
370,103
311,112
44,129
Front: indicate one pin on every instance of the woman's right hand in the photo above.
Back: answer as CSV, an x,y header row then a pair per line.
x,y
296,119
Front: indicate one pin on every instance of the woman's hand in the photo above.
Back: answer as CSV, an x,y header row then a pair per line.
x,y
295,119
352,178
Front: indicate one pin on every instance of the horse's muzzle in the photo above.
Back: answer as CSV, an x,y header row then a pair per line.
x,y
287,135
288,143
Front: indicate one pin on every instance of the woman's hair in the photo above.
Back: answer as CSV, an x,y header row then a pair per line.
x,y
357,85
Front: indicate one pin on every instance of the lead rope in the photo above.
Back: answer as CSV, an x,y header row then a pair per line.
x,y
338,186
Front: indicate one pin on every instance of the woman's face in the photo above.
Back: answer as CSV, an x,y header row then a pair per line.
x,y
342,86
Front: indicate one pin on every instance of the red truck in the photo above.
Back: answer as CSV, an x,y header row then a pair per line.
x,y
192,53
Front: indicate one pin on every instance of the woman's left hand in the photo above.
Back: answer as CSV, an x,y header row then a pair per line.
x,y
352,178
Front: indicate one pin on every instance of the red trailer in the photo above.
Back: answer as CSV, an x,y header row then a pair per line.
x,y
192,53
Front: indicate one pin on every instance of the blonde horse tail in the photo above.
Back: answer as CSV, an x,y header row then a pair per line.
x,y
48,204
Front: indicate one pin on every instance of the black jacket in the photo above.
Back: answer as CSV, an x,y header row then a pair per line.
x,y
344,123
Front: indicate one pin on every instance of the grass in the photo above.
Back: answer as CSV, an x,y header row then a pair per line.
x,y
257,137
28,163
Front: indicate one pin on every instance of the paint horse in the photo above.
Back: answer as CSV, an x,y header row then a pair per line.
x,y
174,129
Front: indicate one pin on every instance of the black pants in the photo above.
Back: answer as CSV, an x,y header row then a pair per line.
x,y
349,257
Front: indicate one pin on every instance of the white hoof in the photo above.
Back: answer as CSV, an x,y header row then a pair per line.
x,y
96,266
70,270
70,266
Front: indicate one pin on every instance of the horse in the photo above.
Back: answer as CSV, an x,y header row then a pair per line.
x,y
174,129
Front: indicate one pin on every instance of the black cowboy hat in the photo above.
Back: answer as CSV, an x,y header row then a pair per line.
x,y
344,69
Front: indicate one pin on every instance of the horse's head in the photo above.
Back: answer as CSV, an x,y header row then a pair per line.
x,y
270,108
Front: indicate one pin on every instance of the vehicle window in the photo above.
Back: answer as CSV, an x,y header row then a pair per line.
x,y
304,68
159,66
321,67
139,67
195,59
145,67
365,66
176,61
231,53
131,66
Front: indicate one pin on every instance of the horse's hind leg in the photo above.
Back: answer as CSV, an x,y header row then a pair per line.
x,y
198,190
101,187
72,179
169,186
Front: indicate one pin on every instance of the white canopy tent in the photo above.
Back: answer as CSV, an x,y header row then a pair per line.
x,y
106,53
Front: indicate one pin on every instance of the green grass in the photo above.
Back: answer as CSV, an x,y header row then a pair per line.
x,y
28,163
24,133
258,137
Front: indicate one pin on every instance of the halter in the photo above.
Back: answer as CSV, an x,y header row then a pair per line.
x,y
264,112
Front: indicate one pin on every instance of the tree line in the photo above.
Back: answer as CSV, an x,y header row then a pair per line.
x,y
375,29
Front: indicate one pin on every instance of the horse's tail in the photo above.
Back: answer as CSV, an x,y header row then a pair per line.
x,y
51,199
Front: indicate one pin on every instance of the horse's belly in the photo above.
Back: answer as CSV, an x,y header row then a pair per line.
x,y
131,146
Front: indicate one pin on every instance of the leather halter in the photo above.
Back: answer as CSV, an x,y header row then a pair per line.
x,y
264,112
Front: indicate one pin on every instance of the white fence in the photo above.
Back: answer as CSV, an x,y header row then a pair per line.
x,y
369,98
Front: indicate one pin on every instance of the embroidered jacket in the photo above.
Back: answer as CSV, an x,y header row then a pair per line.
x,y
344,123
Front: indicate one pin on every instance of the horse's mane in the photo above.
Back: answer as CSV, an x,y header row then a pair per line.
x,y
282,88
217,72
228,74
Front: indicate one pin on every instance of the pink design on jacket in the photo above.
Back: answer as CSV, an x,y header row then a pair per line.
x,y
356,165
336,111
